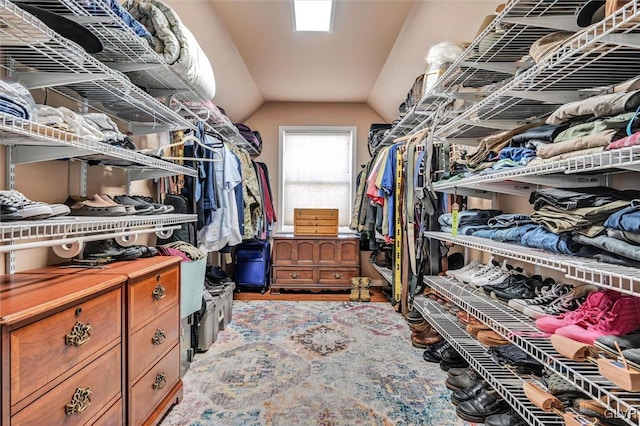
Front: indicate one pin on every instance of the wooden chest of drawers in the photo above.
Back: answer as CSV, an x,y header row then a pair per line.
x,y
322,222
314,263
61,347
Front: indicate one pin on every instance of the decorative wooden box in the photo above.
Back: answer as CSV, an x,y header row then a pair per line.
x,y
315,222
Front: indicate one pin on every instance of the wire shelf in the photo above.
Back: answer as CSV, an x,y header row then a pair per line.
x,y
386,273
599,55
518,329
39,57
504,381
70,226
36,142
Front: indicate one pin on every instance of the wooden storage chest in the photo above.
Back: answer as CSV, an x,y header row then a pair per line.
x,y
315,222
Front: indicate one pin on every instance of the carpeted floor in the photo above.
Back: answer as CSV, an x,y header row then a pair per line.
x,y
313,363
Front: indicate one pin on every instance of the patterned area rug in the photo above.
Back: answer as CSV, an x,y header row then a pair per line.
x,y
313,363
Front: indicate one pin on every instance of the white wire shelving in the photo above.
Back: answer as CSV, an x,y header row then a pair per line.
x,y
386,273
518,329
126,52
616,277
505,382
21,235
33,142
490,58
38,57
601,55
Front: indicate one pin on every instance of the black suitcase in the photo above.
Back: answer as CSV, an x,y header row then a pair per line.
x,y
252,265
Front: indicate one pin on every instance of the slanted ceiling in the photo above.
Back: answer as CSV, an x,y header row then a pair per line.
x,y
373,54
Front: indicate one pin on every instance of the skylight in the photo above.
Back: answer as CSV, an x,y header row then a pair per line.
x,y
312,15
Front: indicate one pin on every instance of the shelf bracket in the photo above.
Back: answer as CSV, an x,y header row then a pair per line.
x,y
627,40
131,66
24,154
503,67
494,124
555,96
561,22
40,80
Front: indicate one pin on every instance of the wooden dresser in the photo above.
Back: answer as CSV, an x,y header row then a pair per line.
x,y
62,349
314,263
151,332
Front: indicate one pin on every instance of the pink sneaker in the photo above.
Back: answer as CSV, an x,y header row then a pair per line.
x,y
596,303
622,318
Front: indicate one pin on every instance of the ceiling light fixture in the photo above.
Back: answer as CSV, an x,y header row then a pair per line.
x,y
313,15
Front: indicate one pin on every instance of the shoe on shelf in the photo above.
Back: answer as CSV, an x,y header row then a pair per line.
x,y
566,303
8,213
470,392
457,371
463,381
110,249
471,265
157,207
420,327
482,406
627,341
477,271
445,366
414,316
505,419
524,289
25,208
423,340
622,318
587,314
512,279
95,206
591,408
491,338
433,353
492,276
546,295
475,326
142,208
129,209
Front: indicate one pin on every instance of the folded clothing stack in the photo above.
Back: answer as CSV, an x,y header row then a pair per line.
x,y
15,100
469,221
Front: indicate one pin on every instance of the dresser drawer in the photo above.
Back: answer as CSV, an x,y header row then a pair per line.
x,y
45,349
102,378
293,275
152,340
152,294
113,417
149,391
337,275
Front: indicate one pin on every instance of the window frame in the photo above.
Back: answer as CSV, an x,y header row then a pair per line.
x,y
353,130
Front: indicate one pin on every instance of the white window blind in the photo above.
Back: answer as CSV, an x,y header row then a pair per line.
x,y
317,171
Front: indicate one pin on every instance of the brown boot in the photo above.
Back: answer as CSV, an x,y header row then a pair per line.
x,y
355,290
420,327
365,296
423,340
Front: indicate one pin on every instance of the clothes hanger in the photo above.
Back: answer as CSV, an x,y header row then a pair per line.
x,y
198,142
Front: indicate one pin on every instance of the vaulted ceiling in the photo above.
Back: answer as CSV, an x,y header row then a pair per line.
x,y
373,54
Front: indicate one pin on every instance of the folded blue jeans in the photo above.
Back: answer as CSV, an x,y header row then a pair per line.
x,y
627,219
509,220
612,245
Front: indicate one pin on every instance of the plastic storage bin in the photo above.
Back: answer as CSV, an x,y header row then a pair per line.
x,y
191,286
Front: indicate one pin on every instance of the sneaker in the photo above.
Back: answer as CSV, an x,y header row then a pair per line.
x,y
523,289
512,279
622,318
566,303
129,209
476,272
455,272
142,208
546,295
587,314
110,249
25,208
95,206
157,207
492,277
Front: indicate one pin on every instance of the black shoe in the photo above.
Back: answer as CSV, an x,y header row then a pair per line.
x,y
511,280
457,371
461,395
445,366
463,381
524,289
451,356
109,248
434,352
157,207
481,407
505,419
141,207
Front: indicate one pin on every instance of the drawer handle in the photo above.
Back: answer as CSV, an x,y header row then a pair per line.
x,y
337,275
294,275
160,382
159,292
159,337
80,334
80,401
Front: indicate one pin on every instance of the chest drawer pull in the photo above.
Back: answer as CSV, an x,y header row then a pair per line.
x,y
294,275
159,292
337,275
159,337
80,401
80,334
160,382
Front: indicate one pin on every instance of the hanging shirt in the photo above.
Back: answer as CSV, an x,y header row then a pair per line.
x,y
388,186
217,234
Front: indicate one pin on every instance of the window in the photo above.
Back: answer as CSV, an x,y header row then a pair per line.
x,y
316,171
